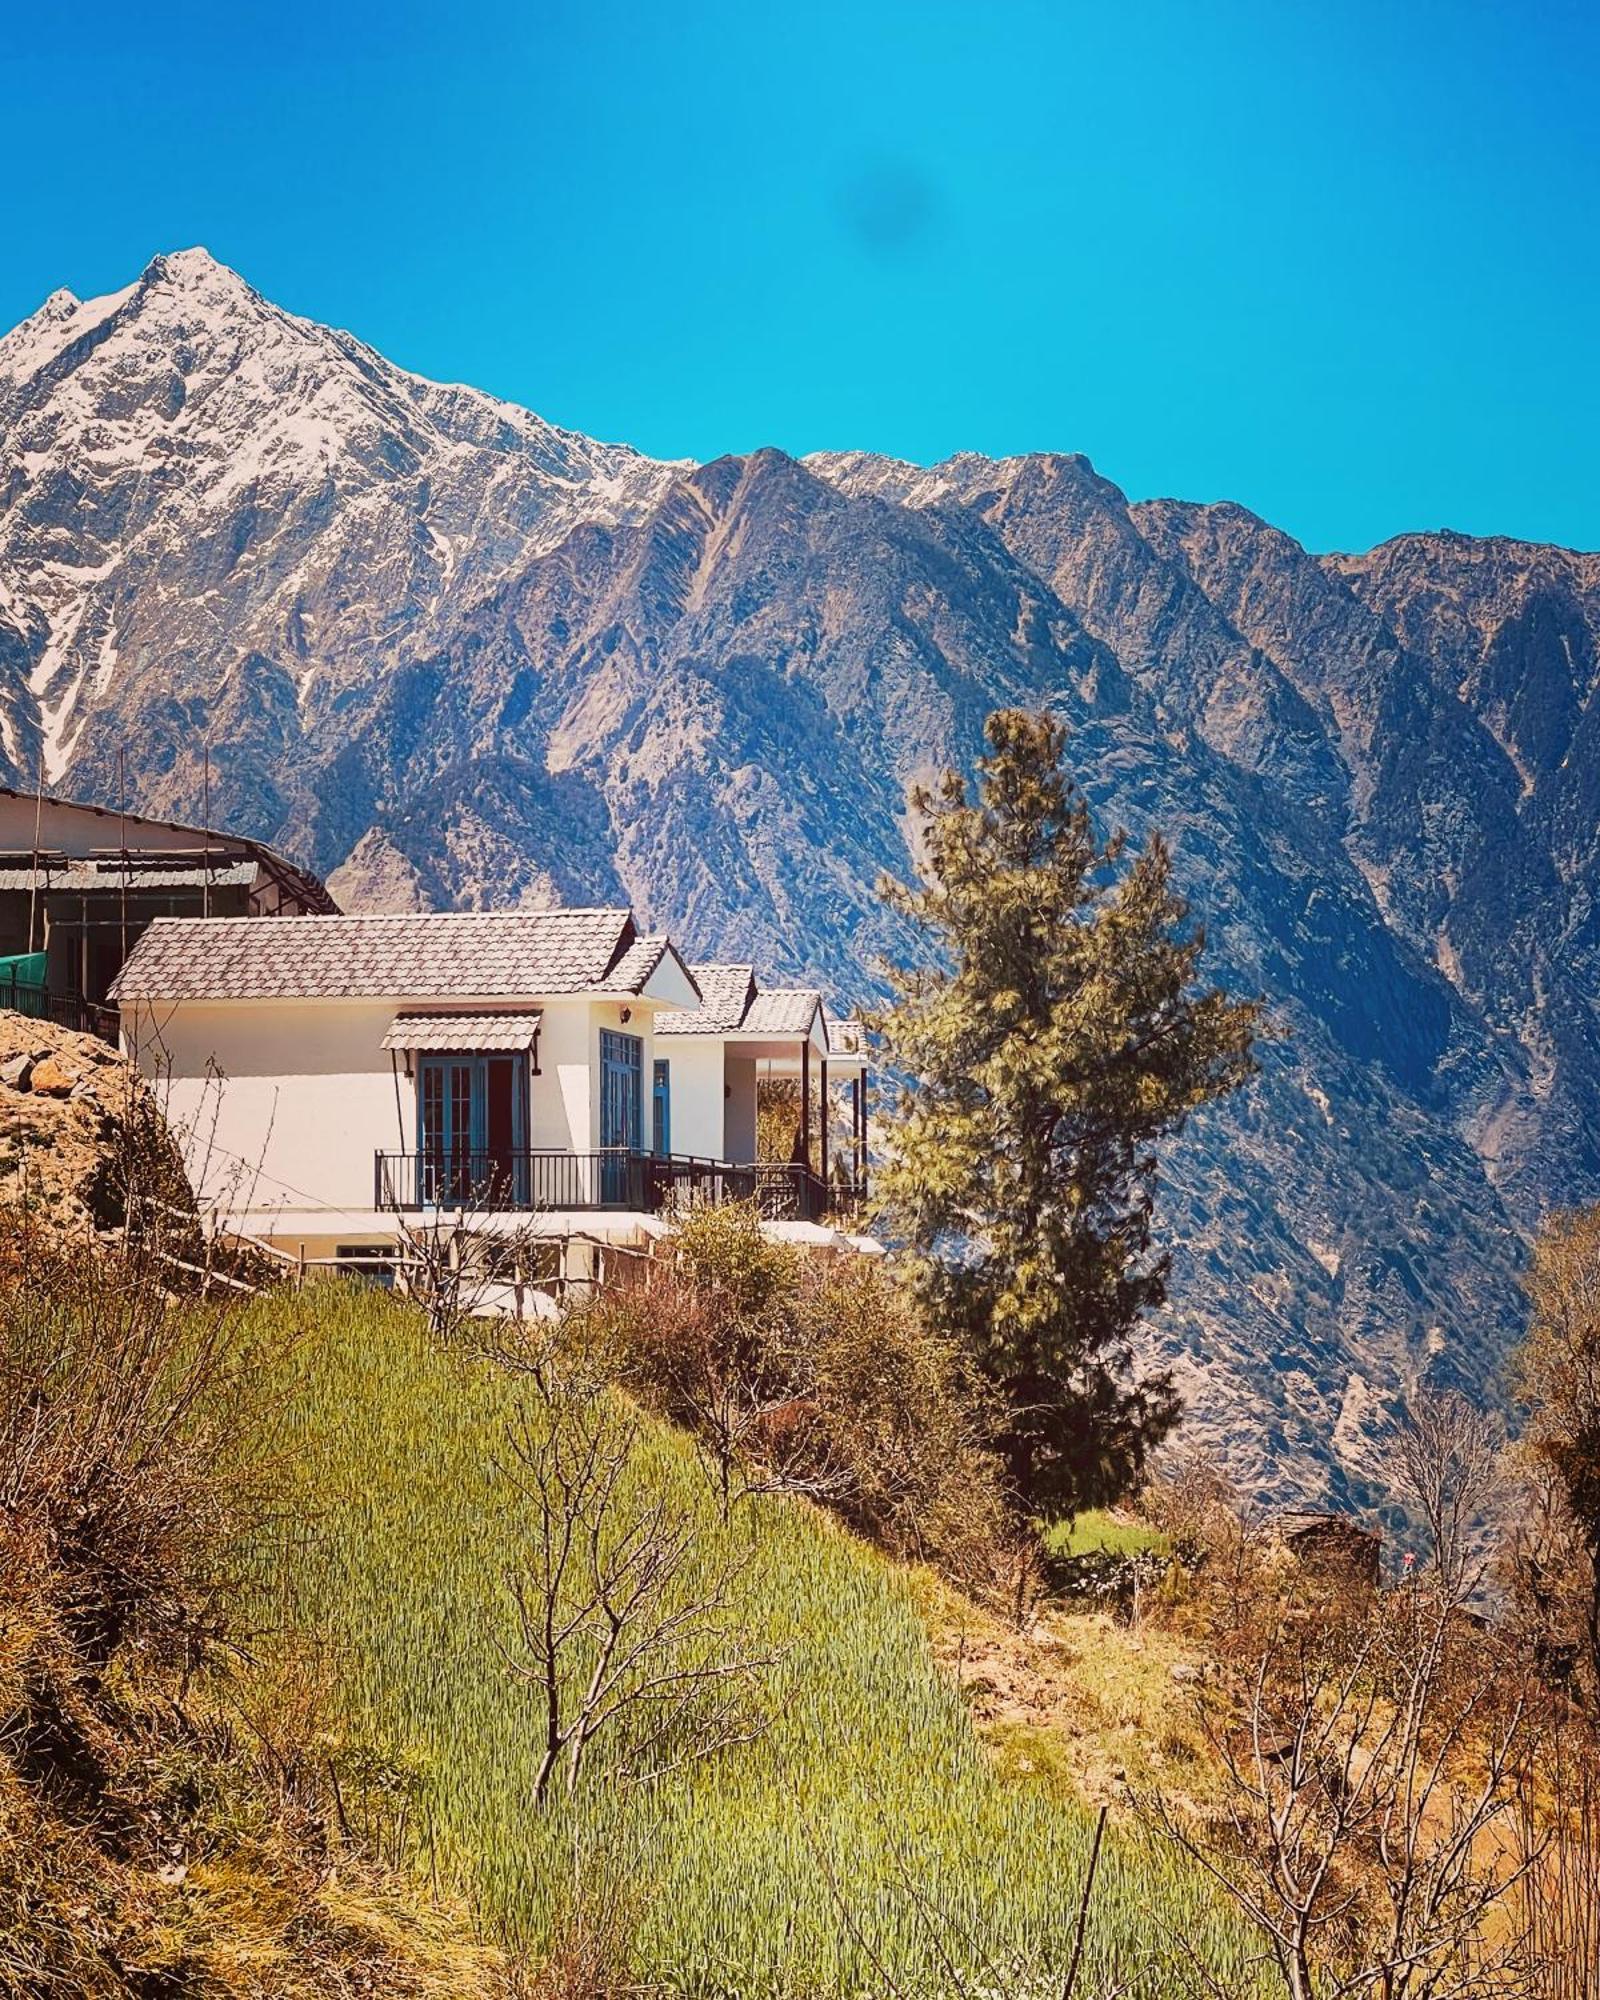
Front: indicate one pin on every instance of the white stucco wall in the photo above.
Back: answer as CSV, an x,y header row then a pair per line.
x,y
286,1101
739,1108
282,1101
697,1107
565,1106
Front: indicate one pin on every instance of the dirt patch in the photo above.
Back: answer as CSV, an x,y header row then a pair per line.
x,y
1093,1707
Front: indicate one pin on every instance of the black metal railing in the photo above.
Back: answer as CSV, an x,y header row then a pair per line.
x,y
612,1178
65,1010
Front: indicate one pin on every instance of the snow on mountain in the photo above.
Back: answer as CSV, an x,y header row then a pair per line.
x,y
241,466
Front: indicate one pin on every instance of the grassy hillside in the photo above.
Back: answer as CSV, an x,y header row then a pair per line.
x,y
864,1839
167,1825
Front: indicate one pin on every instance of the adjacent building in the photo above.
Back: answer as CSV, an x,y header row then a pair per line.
x,y
79,885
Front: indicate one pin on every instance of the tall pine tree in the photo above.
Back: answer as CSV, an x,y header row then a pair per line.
x,y
1058,1036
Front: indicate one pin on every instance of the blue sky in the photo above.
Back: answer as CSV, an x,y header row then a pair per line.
x,y
1333,259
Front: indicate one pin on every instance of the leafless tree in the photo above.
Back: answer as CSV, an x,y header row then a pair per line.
x,y
1372,1785
622,1634
458,1267
1447,1464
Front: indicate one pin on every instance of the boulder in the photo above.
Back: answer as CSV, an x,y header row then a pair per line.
x,y
54,1078
16,1073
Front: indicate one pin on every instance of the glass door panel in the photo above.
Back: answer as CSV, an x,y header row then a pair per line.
x,y
662,1105
621,1111
472,1130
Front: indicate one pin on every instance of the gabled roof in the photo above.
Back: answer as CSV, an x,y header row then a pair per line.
x,y
631,973
726,991
784,1010
736,1008
457,955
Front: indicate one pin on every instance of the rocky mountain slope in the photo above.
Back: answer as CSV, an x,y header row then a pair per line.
x,y
450,655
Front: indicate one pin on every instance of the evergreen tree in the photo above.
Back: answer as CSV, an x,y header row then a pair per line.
x,y
1055,1040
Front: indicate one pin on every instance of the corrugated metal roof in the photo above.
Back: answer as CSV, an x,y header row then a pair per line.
x,y
306,887
479,955
97,879
448,1032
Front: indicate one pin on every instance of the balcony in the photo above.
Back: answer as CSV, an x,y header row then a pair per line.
x,y
613,1179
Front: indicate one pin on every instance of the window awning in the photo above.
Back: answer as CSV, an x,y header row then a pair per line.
x,y
446,1033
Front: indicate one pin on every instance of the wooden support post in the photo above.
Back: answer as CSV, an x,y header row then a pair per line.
x,y
300,1270
805,1103
822,1115
857,1161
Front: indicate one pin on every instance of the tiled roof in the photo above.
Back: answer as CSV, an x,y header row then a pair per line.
x,y
632,971
727,990
465,955
781,1011
445,1033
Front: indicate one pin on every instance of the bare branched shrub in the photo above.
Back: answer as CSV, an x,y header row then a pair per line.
x,y
1559,1368
466,1268
622,1635
1237,1584
1372,1782
1558,1899
713,1344
120,1490
141,1731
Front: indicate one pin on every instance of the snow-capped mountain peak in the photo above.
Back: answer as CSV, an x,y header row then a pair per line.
x,y
186,466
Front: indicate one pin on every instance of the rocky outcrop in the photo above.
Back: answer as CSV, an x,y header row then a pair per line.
x,y
449,655
78,1131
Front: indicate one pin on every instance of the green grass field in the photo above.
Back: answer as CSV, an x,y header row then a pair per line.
x,y
864,1839
1095,1532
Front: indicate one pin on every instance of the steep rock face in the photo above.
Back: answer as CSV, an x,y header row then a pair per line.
x,y
450,656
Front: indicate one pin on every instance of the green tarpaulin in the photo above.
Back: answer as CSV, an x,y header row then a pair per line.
x,y
22,982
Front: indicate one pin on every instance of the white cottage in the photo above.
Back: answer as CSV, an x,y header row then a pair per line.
x,y
334,1076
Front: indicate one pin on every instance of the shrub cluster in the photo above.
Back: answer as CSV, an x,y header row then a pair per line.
x,y
815,1375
